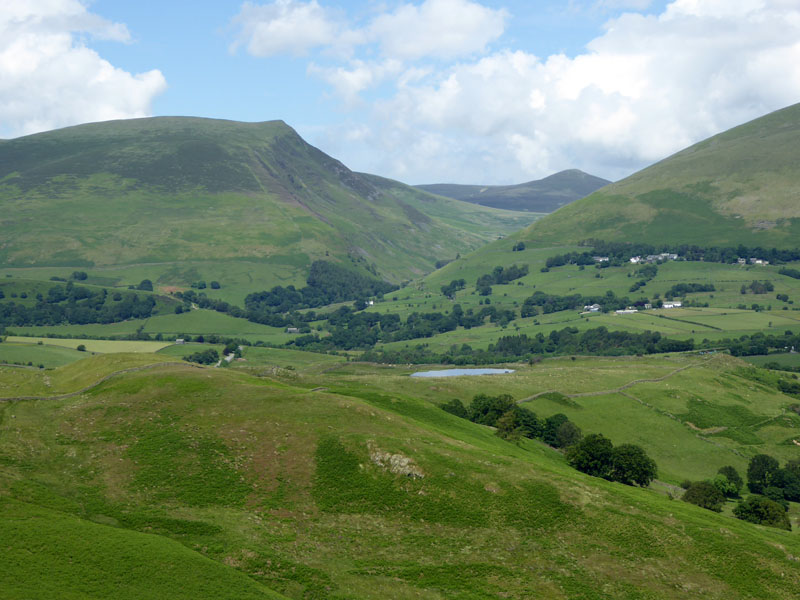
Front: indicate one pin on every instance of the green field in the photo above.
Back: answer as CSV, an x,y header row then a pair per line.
x,y
788,359
35,355
99,346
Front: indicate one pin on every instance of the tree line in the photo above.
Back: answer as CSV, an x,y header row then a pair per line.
x,y
77,305
594,454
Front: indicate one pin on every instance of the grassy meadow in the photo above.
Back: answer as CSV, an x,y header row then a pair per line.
x,y
277,480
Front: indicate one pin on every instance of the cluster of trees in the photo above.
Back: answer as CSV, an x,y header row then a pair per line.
x,y
790,272
500,276
759,343
626,463
518,247
758,287
451,288
597,341
771,487
76,305
551,303
681,289
351,329
203,357
327,283
513,421
727,483
645,274
593,454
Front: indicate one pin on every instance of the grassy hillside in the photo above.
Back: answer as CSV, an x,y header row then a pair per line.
x,y
543,195
182,199
289,485
738,187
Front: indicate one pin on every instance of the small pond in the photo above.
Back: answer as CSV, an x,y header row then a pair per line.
x,y
457,372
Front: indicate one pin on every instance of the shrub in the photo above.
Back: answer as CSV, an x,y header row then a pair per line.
x,y
762,510
705,495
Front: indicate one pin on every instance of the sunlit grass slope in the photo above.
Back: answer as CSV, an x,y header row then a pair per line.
x,y
291,485
178,199
50,554
738,187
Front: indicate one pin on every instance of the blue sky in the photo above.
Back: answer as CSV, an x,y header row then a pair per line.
x,y
468,91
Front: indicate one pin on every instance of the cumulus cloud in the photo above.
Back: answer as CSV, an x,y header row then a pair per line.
x,y
437,28
285,26
48,76
647,87
436,99
434,29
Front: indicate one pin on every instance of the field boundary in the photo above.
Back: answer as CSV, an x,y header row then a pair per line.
x,y
614,390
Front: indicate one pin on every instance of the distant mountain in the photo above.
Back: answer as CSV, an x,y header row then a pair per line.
x,y
193,195
542,196
739,187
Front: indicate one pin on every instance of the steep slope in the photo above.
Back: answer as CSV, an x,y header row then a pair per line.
x,y
173,190
361,489
543,195
739,187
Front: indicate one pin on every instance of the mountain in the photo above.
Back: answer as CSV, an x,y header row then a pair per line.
x,y
194,198
542,196
739,187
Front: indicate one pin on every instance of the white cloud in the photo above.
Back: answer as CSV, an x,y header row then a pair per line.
x,y
437,28
49,78
284,26
432,29
647,87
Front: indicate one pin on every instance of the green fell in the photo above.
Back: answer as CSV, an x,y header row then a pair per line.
x,y
738,187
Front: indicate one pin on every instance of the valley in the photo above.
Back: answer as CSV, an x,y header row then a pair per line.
x,y
137,254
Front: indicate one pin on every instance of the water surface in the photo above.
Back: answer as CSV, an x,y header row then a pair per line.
x,y
457,372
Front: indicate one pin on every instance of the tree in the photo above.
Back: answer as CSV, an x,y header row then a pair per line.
x,y
486,410
724,485
733,477
215,285
145,285
567,434
507,427
79,275
81,348
788,480
704,495
760,472
592,455
762,510
630,464
456,407
551,425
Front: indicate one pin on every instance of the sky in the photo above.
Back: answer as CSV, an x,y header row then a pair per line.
x,y
422,91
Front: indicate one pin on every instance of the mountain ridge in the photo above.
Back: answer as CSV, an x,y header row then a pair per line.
x,y
542,195
166,189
